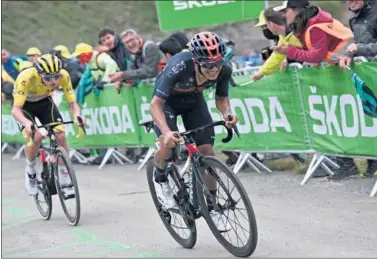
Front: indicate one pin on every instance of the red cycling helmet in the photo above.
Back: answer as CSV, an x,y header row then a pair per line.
x,y
207,46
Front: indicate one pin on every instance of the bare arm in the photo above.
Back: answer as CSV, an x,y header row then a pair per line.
x,y
158,115
19,115
223,105
75,109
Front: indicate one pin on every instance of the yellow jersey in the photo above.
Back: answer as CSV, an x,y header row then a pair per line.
x,y
30,88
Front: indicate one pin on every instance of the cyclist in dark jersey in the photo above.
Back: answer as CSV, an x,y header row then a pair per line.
x,y
179,91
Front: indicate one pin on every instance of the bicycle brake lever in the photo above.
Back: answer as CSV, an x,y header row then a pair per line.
x,y
81,122
230,117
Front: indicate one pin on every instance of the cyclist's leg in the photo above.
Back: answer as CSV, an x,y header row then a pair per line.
x,y
166,194
51,114
31,151
197,117
164,151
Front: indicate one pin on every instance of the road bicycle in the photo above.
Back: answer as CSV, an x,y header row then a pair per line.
x,y
192,196
49,182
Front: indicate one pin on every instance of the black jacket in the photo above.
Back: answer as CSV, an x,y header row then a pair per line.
x,y
364,27
74,69
120,54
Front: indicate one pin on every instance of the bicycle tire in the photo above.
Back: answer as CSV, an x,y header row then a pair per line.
x,y
186,243
249,248
60,152
43,187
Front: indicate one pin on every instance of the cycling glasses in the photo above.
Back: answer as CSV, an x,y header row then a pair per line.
x,y
211,64
49,78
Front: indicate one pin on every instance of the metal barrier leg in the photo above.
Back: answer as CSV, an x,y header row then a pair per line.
x,y
74,153
117,158
251,164
146,158
256,162
108,154
120,155
19,152
327,169
374,190
329,161
316,161
3,147
239,159
245,156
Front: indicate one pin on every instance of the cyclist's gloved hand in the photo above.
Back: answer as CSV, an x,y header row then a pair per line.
x,y
230,122
168,139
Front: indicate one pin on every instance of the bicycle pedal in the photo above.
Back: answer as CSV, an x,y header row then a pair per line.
x,y
67,197
65,186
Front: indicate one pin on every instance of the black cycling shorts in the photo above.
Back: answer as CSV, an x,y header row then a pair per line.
x,y
194,116
45,110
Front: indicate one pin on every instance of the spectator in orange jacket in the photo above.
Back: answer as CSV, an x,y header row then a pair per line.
x,y
323,37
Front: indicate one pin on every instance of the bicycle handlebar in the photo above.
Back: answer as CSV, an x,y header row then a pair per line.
x,y
211,125
79,135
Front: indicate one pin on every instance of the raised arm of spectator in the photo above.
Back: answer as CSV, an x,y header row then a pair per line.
x,y
149,66
318,52
366,49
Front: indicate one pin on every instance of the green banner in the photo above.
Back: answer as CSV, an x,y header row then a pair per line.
x,y
178,15
334,114
297,110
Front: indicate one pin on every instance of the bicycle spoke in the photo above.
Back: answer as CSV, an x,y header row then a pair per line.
x,y
236,218
242,213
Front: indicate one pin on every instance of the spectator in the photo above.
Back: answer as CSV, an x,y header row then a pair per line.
x,y
6,86
322,36
321,42
170,47
69,63
277,25
364,27
9,64
33,54
112,44
99,66
146,59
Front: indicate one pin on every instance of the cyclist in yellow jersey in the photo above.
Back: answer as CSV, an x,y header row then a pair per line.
x,y
32,99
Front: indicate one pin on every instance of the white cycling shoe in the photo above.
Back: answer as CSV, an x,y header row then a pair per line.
x,y
165,195
220,221
65,179
31,184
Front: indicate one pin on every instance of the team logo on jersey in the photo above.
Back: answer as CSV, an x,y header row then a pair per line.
x,y
20,92
23,82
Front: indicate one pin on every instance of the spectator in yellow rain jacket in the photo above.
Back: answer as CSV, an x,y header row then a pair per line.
x,y
33,54
277,24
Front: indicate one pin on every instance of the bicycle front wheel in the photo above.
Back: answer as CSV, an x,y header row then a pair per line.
x,y
230,199
67,186
46,201
176,221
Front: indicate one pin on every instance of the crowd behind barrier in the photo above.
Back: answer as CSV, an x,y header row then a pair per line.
x,y
300,110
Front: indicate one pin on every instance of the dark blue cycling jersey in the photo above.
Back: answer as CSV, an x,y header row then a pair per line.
x,y
178,80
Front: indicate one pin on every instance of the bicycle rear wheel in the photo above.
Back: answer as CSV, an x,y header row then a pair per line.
x,y
167,216
44,192
65,189
226,207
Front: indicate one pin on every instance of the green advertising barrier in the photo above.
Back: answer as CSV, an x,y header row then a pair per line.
x,y
178,15
297,110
